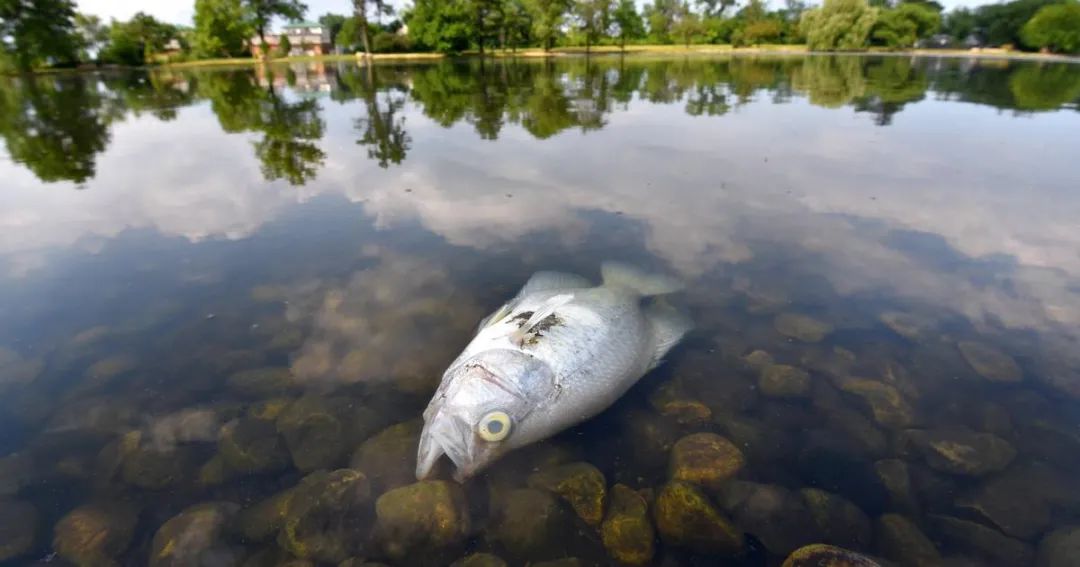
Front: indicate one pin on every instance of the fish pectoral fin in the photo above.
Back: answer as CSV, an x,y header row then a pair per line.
x,y
553,281
668,325
549,307
495,317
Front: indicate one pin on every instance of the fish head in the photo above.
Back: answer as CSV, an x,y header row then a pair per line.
x,y
481,410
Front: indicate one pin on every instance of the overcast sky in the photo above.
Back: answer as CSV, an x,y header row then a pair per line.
x,y
180,11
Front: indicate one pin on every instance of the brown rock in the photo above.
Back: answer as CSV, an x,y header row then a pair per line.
x,y
886,403
627,531
990,363
838,520
993,546
903,542
963,452
425,516
801,327
580,484
821,555
783,381
686,518
706,459
18,526
1060,548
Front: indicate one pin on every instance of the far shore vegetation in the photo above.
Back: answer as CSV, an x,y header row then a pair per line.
x,y
51,34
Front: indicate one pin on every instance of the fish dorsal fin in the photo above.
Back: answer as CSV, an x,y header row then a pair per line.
x,y
553,281
638,281
495,317
549,307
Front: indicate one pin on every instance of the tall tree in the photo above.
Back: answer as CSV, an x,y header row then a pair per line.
x,y
839,25
262,12
135,41
1056,28
661,15
687,25
360,12
333,24
548,17
221,28
594,19
515,23
92,35
628,21
38,32
714,8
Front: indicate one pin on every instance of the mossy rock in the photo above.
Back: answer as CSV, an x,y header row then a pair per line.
x,y
911,327
784,381
1023,500
686,518
266,382
963,452
646,440
16,471
389,457
479,560
706,459
564,562
627,530
669,400
195,537
839,521
18,528
896,479
528,524
758,360
580,484
249,446
314,431
262,520
1060,548
268,409
153,469
777,517
902,541
325,514
990,363
802,327
420,518
822,555
991,545
94,534
886,403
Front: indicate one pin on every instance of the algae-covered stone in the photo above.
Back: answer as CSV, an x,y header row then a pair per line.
x,y
821,555
627,531
993,546
759,440
389,457
758,360
783,381
153,469
16,471
314,431
18,526
777,517
249,445
580,484
906,325
262,382
94,534
324,515
896,479
564,562
645,439
424,516
902,541
264,519
686,518
1060,548
705,458
528,523
802,327
886,403
838,520
268,409
669,400
194,537
1022,500
963,452
479,560
990,363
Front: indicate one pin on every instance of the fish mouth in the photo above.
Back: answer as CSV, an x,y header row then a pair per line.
x,y
448,436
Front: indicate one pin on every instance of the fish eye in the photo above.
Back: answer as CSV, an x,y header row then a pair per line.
x,y
494,426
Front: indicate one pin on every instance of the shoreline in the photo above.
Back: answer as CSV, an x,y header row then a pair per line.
x,y
578,51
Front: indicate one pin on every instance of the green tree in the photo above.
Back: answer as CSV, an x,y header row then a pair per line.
x,y
902,26
687,25
262,13
382,128
516,24
769,30
661,16
1001,24
628,22
714,8
1055,28
360,14
593,19
92,35
38,32
284,46
221,28
1044,87
838,25
548,17
440,25
135,41
333,24
959,23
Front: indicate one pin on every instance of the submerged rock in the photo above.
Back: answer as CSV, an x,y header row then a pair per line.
x,y
580,484
1060,548
264,519
758,360
18,527
389,457
990,363
325,516
802,327
886,403
16,471
424,517
993,546
627,531
314,431
760,441
962,452
264,382
821,555
776,516
94,534
838,520
528,524
249,445
896,479
902,541
1022,500
194,537
686,518
669,400
479,560
706,459
783,381
906,325
153,469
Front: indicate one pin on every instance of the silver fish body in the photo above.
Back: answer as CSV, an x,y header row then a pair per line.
x,y
558,353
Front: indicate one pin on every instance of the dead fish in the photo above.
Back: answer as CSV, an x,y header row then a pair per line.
x,y
558,353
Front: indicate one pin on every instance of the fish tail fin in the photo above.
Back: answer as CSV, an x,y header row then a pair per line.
x,y
640,282
668,325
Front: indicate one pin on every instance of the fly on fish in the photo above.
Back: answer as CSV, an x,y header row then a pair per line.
x,y
558,353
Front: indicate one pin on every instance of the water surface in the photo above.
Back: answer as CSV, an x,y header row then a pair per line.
x,y
215,283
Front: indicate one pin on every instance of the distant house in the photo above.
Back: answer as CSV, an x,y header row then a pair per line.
x,y
305,38
938,41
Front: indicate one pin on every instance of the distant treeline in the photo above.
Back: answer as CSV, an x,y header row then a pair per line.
x,y
50,33
57,125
